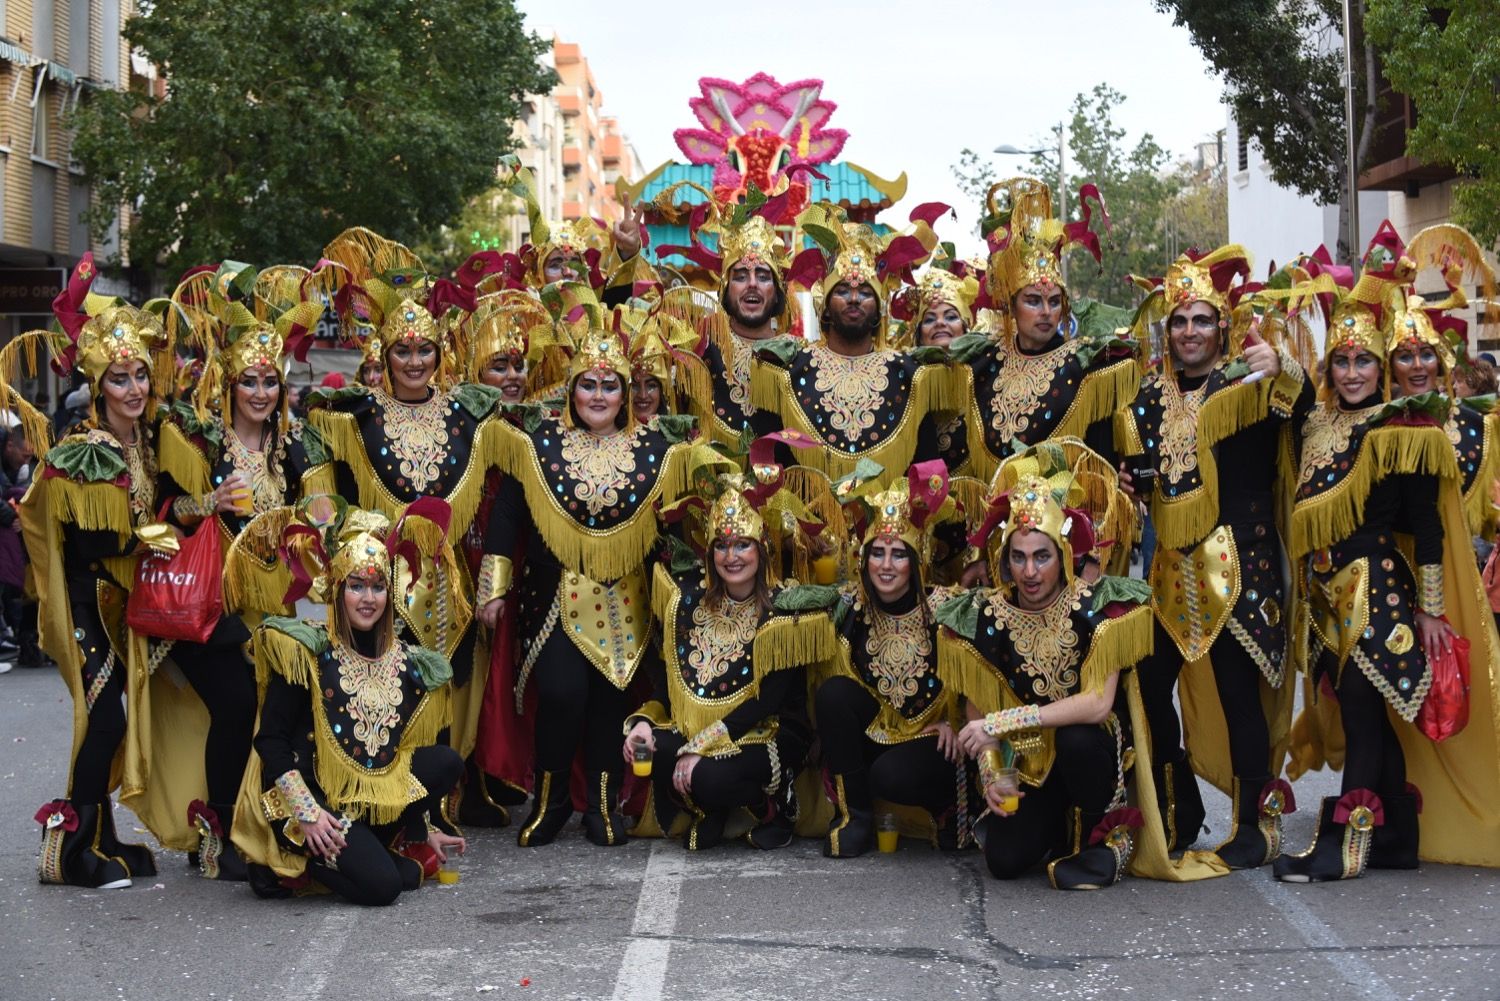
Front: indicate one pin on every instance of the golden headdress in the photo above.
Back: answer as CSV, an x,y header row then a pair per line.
x,y
510,322
732,514
328,541
237,320
944,288
1215,278
574,237
1039,491
104,330
382,290
754,240
1029,241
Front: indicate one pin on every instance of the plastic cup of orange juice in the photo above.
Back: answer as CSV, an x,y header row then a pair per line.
x,y
1008,782
640,763
887,834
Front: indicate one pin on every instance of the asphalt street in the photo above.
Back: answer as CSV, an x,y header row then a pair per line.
x,y
649,921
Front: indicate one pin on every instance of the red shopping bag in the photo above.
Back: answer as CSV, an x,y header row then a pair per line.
x,y
1446,710
180,596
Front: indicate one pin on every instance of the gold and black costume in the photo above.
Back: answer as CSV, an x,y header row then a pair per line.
x,y
352,734
585,506
1210,447
732,688
1074,776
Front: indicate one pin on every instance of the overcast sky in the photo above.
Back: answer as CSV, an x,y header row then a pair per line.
x,y
915,81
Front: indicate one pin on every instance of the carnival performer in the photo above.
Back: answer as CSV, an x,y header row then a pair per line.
x,y
727,726
1380,530
349,778
936,311
580,490
1200,441
607,258
422,434
1057,369
1423,361
859,398
91,512
504,330
1038,660
748,264
233,453
887,726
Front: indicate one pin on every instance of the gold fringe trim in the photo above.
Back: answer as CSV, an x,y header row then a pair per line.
x,y
964,671
1100,396
1335,513
1184,520
1116,644
695,389
345,444
889,726
253,583
599,554
93,507
784,650
380,795
1478,508
932,390
797,640
185,462
276,652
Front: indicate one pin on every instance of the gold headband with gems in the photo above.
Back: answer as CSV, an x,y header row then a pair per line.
x,y
1032,239
944,288
118,334
756,241
733,516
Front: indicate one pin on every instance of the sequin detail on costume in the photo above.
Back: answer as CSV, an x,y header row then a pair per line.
x,y
1179,429
899,647
851,388
599,467
267,484
375,696
1018,388
719,639
1044,641
418,437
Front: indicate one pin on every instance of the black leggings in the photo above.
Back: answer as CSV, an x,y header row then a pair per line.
x,y
721,784
1373,757
225,681
1238,681
911,773
575,701
106,721
1083,775
368,872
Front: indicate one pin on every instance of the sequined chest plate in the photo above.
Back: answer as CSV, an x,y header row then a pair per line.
x,y
420,450
852,403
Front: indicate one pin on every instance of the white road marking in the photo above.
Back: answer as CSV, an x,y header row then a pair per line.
x,y
643,970
322,956
1359,975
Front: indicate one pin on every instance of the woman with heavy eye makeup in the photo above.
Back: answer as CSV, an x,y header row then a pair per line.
x,y
231,452
422,433
726,729
350,772
1379,531
578,499
91,514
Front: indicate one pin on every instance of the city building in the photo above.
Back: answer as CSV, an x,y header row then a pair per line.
x,y
52,52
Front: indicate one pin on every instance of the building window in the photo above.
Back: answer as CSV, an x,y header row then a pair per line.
x,y
43,200
78,36
78,207
39,118
1242,156
43,28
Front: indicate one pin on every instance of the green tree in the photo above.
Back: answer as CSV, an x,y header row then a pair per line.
x,y
1136,184
286,123
1449,64
483,224
1156,211
1282,62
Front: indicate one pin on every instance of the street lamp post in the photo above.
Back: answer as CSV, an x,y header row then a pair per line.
x,y
1062,171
